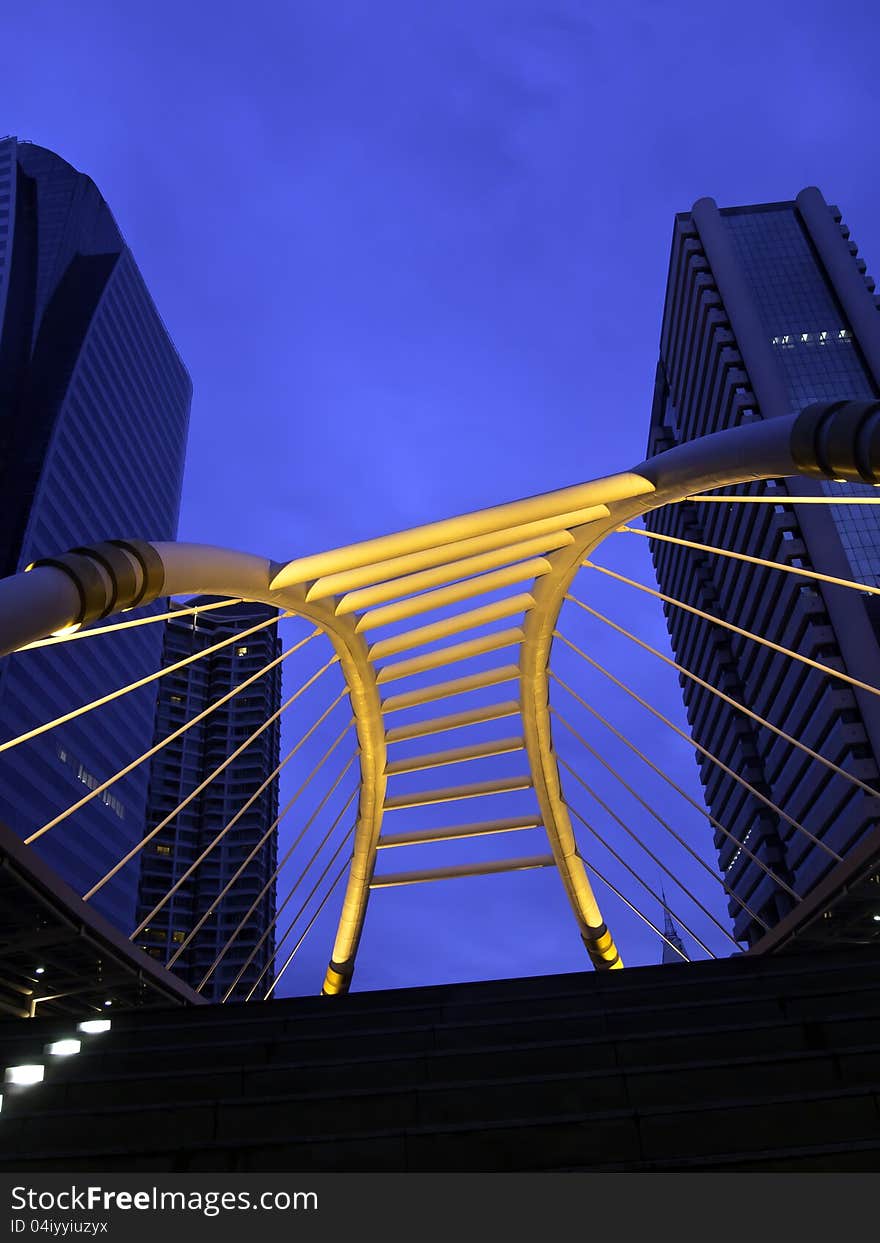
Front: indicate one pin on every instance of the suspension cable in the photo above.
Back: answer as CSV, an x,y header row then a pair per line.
x,y
704,811
635,910
177,733
744,634
133,686
623,863
211,845
148,837
703,750
213,907
323,842
786,498
648,808
243,921
305,903
798,571
734,703
91,631
309,925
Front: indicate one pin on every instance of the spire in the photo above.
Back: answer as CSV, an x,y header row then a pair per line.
x,y
671,933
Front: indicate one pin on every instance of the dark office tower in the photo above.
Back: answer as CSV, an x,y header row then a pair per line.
x,y
94,406
244,792
767,310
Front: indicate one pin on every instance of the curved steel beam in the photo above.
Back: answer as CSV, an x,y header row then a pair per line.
x,y
771,449
50,597
538,629
199,568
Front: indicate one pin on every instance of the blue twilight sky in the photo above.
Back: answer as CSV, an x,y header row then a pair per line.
x,y
414,255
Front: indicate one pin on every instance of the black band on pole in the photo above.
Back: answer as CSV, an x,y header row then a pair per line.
x,y
90,583
838,440
106,576
119,569
339,977
598,941
153,572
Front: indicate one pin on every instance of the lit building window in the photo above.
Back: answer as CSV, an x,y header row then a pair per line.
x,y
163,850
241,651
90,780
178,937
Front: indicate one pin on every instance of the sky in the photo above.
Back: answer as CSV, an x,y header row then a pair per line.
x,y
414,258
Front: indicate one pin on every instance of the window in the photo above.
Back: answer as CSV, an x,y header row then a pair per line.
x,y
241,651
178,937
163,850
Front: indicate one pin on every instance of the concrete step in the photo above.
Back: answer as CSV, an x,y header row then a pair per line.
x,y
639,988
600,1139
699,1065
632,1038
804,998
434,1070
404,1093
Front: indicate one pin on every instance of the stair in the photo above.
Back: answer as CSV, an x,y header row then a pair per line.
x,y
738,1064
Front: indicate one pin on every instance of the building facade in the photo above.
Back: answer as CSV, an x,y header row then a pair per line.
x,y
244,791
94,410
767,310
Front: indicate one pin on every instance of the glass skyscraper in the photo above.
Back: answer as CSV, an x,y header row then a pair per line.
x,y
241,793
767,310
94,409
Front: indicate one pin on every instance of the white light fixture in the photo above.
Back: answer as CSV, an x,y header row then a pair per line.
x,y
63,1048
108,1003
93,1026
39,970
877,919
25,1074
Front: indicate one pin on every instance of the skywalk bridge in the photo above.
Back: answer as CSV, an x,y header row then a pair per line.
x,y
456,648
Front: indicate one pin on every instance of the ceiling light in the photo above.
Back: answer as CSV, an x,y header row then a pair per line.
x,y
63,1048
93,1026
25,1074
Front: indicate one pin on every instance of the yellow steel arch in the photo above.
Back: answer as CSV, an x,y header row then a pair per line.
x,y
537,543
